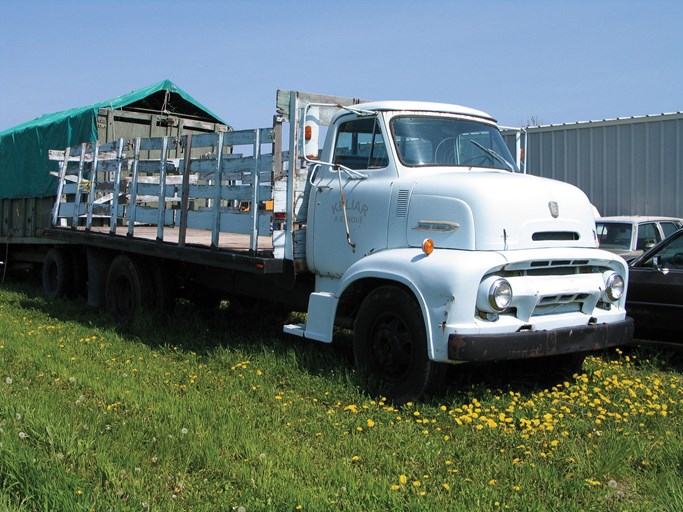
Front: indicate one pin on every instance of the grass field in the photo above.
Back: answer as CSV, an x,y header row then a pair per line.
x,y
204,412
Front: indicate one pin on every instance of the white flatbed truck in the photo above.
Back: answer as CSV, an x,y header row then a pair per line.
x,y
412,226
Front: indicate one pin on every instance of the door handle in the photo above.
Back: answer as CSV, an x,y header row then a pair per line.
x,y
312,174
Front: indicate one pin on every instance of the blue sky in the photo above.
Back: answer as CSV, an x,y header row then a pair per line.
x,y
556,61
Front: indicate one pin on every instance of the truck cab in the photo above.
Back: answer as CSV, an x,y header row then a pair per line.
x,y
424,237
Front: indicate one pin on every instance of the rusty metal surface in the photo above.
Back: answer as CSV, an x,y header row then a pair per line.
x,y
530,344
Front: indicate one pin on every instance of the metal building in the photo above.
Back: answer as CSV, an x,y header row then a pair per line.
x,y
626,166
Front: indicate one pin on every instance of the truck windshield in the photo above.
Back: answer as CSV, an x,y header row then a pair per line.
x,y
438,141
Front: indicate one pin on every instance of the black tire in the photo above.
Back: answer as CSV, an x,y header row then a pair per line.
x,y
57,274
128,289
163,295
390,347
79,266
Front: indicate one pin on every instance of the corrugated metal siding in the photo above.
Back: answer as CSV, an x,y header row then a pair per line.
x,y
625,166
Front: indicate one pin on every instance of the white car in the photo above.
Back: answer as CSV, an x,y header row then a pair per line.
x,y
630,235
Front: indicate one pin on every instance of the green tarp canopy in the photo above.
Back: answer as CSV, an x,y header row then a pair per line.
x,y
24,164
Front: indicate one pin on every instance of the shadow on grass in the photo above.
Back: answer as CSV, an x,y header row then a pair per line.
x,y
203,331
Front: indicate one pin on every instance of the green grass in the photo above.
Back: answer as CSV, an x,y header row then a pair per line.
x,y
205,412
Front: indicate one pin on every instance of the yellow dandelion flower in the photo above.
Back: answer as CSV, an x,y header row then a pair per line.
x,y
446,486
416,483
403,479
370,423
395,487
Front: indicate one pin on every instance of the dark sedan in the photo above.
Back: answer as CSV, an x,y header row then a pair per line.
x,y
655,292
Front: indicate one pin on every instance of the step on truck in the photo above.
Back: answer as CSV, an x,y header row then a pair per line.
x,y
411,226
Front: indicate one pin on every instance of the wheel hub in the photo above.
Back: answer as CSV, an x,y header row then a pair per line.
x,y
392,347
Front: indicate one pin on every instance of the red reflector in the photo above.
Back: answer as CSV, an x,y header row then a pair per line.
x,y
280,215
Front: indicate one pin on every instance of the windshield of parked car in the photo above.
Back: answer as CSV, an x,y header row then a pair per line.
x,y
440,141
614,235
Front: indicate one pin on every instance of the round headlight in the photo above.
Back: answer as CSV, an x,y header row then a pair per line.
x,y
614,287
500,295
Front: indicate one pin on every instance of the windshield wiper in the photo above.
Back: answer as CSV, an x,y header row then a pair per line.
x,y
494,155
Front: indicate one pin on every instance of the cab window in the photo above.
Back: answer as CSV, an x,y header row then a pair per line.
x,y
360,145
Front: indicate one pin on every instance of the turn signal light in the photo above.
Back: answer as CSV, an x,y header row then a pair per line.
x,y
308,132
428,246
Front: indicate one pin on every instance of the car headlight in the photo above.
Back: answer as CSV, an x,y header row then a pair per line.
x,y
614,287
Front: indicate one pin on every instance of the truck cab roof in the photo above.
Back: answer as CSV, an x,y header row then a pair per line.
x,y
424,106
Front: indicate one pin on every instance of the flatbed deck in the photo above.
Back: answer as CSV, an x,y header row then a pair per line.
x,y
232,251
194,237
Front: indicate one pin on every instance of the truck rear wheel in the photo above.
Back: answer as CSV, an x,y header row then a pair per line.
x,y
127,289
79,268
57,275
390,346
163,291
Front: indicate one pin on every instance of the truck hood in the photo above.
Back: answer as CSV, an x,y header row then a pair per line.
x,y
497,210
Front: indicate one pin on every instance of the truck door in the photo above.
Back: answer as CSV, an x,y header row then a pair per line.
x,y
356,192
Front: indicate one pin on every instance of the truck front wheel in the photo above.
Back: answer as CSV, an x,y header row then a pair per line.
x,y
390,346
127,290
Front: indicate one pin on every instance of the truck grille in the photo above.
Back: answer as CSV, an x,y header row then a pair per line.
x,y
554,304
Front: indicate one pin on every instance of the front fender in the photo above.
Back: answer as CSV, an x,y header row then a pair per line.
x,y
443,282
